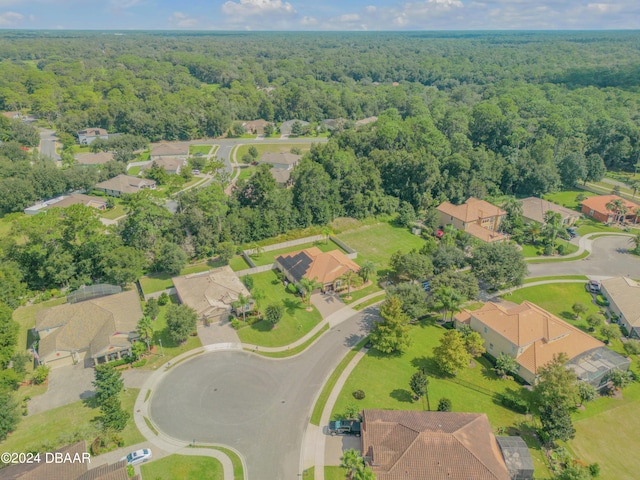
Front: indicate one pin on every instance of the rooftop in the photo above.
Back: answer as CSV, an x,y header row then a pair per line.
x,y
471,210
599,203
280,158
98,158
535,209
92,132
165,148
312,263
65,201
625,293
125,184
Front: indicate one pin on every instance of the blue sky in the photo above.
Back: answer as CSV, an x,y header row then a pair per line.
x,y
320,14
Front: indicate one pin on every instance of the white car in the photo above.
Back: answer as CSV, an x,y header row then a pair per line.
x,y
138,457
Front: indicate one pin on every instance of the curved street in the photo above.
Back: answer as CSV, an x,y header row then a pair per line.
x,y
257,405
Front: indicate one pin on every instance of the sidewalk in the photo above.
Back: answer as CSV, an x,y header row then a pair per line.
x,y
584,243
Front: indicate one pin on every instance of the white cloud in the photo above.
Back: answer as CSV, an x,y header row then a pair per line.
x,y
8,19
349,17
370,9
258,7
309,21
182,20
604,7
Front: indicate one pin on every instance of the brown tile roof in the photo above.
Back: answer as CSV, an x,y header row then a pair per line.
x,y
125,184
94,158
411,445
255,124
485,234
170,149
534,208
325,267
471,210
280,158
210,293
50,471
599,203
625,293
281,175
169,164
541,333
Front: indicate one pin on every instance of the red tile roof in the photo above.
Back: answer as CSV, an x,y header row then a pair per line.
x,y
471,210
599,204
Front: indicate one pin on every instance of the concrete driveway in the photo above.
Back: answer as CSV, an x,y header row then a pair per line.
x,y
336,446
257,405
609,257
327,304
66,385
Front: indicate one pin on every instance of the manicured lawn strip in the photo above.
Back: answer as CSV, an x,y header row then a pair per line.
x,y
562,277
568,198
560,259
150,425
49,430
335,473
592,226
144,156
296,350
295,323
115,212
529,250
238,263
203,149
363,292
268,258
379,241
134,171
238,471
169,347
183,466
331,382
26,317
368,303
558,298
269,147
156,282
245,172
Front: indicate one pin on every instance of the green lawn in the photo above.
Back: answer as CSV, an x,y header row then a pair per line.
x,y
26,317
557,298
589,225
335,473
385,381
238,263
295,323
269,147
183,466
245,173
529,250
294,351
144,156
134,171
567,198
238,472
116,212
155,282
363,292
379,241
268,258
203,149
584,254
49,430
561,277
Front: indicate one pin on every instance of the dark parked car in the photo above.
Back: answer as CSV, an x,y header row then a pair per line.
x,y
573,233
345,427
593,286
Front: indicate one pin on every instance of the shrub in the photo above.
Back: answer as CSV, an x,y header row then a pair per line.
x,y
130,471
548,250
40,374
632,347
291,288
562,250
351,412
163,299
514,402
358,394
248,282
601,300
96,446
139,363
444,405
235,323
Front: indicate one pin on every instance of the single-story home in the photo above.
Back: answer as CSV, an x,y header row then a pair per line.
x,y
89,135
73,464
534,210
281,159
285,128
282,176
171,165
210,293
596,207
327,268
624,300
476,217
122,184
93,331
400,445
170,150
98,158
255,127
365,121
65,201
533,336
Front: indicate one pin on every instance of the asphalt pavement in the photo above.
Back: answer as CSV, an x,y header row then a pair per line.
x,y
48,143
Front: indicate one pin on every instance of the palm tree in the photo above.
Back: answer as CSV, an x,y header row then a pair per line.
x,y
618,207
447,300
513,207
351,460
145,330
326,231
241,303
635,186
367,269
364,473
635,241
534,230
553,225
308,286
348,278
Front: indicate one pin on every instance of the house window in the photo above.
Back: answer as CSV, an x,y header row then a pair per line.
x,y
485,330
338,283
451,217
590,212
491,346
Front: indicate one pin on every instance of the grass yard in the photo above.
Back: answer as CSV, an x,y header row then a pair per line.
x,y
134,171
295,323
385,380
49,430
203,149
529,250
155,282
237,263
246,172
116,212
567,198
562,277
268,258
559,259
144,156
363,292
335,473
270,147
557,298
379,241
296,350
183,466
589,225
26,317
238,472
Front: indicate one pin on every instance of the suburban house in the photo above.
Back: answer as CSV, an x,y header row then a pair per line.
x,y
366,121
282,176
596,207
74,467
534,210
171,165
476,217
402,445
169,150
92,331
210,293
624,300
98,158
89,135
533,336
334,123
255,127
65,201
312,263
122,184
282,160
285,128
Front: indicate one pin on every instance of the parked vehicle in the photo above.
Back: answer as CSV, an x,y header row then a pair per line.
x,y
138,457
573,233
426,285
593,286
196,171
345,427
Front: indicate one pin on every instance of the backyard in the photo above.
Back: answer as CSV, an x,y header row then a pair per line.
x,y
269,147
182,466
156,282
203,149
268,258
295,323
567,198
385,381
530,250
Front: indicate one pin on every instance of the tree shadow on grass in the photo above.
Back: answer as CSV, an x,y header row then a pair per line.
x,y
429,366
292,304
90,402
262,326
401,395
568,316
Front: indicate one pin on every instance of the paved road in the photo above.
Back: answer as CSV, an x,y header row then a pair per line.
x,y
609,257
48,143
256,405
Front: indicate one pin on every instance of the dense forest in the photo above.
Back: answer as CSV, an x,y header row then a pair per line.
x,y
468,114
